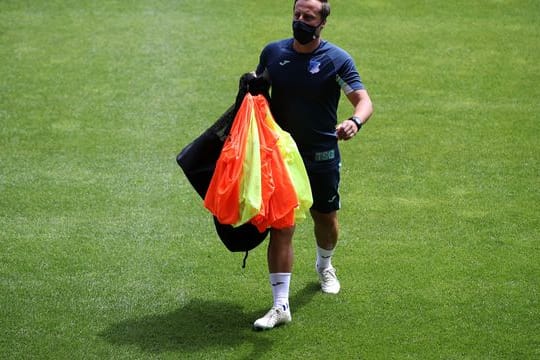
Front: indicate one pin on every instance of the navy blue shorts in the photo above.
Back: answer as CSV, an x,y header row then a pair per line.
x,y
323,169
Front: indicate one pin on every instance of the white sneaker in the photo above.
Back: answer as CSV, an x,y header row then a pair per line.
x,y
274,317
328,279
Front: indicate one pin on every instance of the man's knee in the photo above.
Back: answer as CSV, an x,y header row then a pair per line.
x,y
285,234
324,219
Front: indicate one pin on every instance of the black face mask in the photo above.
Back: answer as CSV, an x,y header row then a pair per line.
x,y
304,33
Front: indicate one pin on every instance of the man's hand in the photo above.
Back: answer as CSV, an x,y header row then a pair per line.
x,y
346,130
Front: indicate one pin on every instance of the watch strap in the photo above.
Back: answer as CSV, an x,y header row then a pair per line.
x,y
357,121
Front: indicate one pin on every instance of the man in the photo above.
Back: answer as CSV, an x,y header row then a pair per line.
x,y
307,75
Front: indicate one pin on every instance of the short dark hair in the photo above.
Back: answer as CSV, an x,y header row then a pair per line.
x,y
325,11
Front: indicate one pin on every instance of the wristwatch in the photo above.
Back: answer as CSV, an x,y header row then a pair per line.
x,y
357,121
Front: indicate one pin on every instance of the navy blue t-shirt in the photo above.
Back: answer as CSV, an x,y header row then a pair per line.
x,y
305,90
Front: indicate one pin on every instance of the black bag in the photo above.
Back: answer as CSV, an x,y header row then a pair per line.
x,y
198,161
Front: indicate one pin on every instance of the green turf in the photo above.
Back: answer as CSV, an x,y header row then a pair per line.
x,y
107,252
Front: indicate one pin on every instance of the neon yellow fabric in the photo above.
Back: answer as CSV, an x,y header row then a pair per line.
x,y
250,185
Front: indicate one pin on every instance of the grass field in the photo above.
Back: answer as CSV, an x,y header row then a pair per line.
x,y
106,251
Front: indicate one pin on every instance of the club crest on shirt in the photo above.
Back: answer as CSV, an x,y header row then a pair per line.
x,y
314,66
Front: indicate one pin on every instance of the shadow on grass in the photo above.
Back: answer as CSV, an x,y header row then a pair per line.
x,y
198,326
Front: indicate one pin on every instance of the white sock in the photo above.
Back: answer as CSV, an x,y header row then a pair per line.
x,y
280,289
324,258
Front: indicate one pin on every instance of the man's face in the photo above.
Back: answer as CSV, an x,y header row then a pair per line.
x,y
308,11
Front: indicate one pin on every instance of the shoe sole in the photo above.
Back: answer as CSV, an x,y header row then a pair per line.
x,y
331,292
261,328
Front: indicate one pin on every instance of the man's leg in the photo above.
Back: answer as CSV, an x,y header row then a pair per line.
x,y
280,250
280,261
326,234
326,229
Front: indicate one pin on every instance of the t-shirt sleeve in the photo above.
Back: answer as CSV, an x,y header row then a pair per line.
x,y
348,77
263,61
